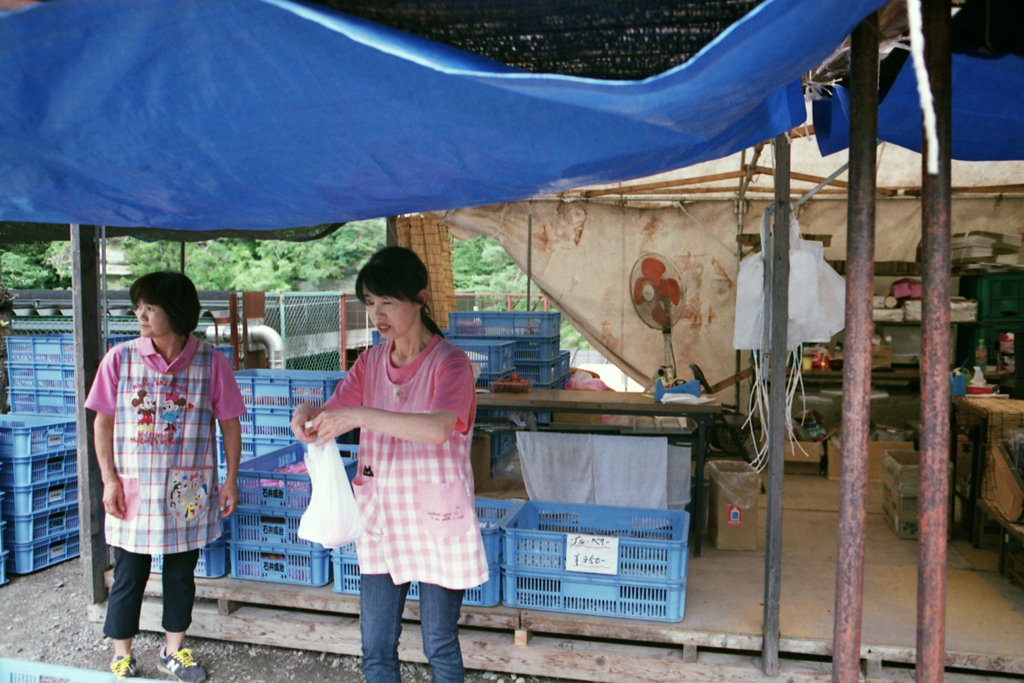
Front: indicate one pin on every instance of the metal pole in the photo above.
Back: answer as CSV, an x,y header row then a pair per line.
x,y
529,257
933,497
777,284
860,282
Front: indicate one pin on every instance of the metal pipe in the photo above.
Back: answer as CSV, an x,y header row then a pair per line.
x,y
860,282
264,335
777,286
933,496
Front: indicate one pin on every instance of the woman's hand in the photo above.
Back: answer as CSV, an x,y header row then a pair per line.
x,y
228,498
330,424
304,413
113,498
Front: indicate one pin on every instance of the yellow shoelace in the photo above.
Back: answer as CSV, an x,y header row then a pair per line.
x,y
122,668
184,657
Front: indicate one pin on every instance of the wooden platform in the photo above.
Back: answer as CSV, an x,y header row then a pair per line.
x,y
719,639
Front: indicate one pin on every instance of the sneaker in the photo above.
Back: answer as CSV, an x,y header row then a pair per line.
x,y
124,667
181,665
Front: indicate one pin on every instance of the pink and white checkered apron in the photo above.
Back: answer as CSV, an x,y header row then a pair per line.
x,y
165,454
418,507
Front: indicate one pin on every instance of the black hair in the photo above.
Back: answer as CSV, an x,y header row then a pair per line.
x,y
174,293
398,273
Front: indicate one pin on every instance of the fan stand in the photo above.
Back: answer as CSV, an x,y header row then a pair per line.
x,y
667,371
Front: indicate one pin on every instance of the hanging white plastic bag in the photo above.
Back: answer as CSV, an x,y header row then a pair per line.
x,y
332,518
750,298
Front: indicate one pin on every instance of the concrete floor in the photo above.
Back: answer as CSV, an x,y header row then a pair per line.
x,y
725,591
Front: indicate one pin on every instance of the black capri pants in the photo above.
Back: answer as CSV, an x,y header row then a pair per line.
x,y
131,572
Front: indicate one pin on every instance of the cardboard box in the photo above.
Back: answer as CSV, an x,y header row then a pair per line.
x,y
876,449
900,481
503,489
480,459
732,505
963,449
881,356
802,457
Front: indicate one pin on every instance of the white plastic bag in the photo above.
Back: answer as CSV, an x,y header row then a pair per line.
x,y
332,518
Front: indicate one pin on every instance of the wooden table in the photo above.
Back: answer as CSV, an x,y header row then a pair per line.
x,y
620,403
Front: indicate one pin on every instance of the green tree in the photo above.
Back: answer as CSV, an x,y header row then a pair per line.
x,y
25,266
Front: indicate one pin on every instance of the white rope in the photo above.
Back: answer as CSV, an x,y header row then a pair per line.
x,y
924,88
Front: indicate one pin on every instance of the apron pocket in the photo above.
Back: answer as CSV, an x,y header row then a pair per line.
x,y
132,499
189,490
365,491
445,510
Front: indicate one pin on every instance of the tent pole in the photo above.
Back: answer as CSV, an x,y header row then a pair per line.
x,y
933,497
85,287
777,285
529,257
860,288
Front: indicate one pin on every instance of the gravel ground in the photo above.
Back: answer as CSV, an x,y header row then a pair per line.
x,y
43,618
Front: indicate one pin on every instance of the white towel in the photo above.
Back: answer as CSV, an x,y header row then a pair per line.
x,y
557,468
678,494
630,471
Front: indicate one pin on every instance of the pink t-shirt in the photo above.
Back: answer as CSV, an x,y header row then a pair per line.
x,y
449,390
225,398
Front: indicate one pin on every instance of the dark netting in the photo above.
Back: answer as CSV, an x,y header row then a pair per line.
x,y
14,233
607,40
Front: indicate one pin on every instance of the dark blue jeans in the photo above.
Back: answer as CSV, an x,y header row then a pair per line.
x,y
380,624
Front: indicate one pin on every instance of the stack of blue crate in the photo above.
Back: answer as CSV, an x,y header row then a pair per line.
x,y
490,513
536,356
273,492
41,369
270,397
38,492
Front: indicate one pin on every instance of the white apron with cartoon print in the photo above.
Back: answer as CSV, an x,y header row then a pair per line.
x,y
165,454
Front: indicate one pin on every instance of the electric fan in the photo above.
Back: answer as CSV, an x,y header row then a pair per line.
x,y
658,299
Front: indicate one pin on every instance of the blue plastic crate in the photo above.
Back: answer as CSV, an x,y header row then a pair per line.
x,y
558,383
485,378
36,498
18,671
652,543
280,564
42,350
25,558
544,371
3,580
286,388
492,355
347,581
37,469
41,526
270,422
28,435
505,323
593,594
268,526
255,446
41,401
213,561
260,484
32,376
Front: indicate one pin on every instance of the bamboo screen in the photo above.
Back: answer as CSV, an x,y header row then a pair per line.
x,y
425,236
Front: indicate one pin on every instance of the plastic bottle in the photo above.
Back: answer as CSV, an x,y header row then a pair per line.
x,y
981,355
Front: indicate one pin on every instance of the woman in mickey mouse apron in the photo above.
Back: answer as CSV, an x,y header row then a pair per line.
x,y
156,399
414,400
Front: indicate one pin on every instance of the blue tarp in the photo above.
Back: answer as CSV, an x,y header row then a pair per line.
x,y
987,110
263,114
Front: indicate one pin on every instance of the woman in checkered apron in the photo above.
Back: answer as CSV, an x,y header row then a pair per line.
x,y
413,398
156,399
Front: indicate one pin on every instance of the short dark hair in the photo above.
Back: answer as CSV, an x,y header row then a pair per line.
x,y
174,293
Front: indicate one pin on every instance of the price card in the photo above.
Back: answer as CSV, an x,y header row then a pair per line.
x,y
592,554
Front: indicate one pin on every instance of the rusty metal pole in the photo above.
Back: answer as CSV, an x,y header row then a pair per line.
x,y
860,283
777,292
933,497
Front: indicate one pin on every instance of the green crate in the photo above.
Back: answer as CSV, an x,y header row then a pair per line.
x,y
1000,296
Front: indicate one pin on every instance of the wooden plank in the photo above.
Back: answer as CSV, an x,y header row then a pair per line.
x,y
610,402
319,599
85,294
647,187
